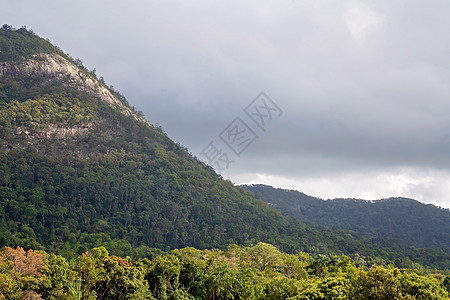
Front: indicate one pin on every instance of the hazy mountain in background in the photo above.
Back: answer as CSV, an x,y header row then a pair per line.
x,y
415,223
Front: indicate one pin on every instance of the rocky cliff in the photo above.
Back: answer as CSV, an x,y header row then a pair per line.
x,y
53,67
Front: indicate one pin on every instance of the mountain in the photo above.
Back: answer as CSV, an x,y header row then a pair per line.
x,y
81,168
79,165
415,223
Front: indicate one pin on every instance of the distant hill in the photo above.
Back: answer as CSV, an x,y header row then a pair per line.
x,y
81,168
417,224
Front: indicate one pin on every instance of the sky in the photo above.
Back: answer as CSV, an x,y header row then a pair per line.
x,y
356,94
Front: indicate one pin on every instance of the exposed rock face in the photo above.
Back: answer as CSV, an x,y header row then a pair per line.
x,y
55,67
56,130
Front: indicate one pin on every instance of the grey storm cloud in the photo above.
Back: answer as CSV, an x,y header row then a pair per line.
x,y
364,85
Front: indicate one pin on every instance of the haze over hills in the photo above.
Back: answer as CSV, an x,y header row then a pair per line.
x,y
417,224
81,168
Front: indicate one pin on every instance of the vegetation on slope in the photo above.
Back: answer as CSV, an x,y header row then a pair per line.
x,y
20,44
415,223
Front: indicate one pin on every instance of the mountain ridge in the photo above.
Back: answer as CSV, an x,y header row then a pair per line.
x,y
416,223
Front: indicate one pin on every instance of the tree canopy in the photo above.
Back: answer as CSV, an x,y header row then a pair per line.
x,y
255,272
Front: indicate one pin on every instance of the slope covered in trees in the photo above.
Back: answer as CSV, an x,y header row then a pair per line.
x,y
79,169
20,44
417,224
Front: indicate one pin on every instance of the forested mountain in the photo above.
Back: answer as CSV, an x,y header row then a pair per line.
x,y
80,168
417,224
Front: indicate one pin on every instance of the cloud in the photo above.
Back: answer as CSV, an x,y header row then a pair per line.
x,y
361,20
425,185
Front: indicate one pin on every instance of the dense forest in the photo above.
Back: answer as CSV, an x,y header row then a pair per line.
x,y
415,223
255,272
81,169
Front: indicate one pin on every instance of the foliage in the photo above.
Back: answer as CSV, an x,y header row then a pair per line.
x,y
190,273
19,44
415,223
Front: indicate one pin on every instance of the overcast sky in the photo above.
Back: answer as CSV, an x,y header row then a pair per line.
x,y
362,87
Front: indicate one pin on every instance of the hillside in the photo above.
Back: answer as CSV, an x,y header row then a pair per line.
x,y
417,224
80,168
